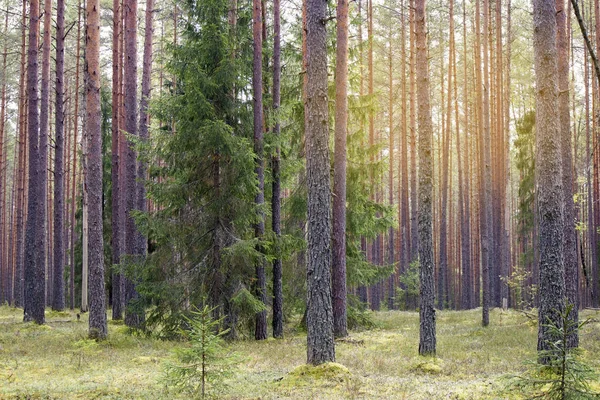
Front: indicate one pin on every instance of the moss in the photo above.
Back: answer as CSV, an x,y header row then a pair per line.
x,y
432,366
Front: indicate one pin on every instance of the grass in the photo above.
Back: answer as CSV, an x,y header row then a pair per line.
x,y
57,361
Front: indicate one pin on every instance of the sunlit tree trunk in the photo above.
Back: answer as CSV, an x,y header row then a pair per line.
x,y
116,218
427,342
548,162
320,344
569,239
340,323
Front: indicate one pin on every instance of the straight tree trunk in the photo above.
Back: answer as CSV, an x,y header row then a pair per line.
x,y
465,193
549,196
320,344
276,196
405,227
391,243
33,271
427,339
116,217
486,171
74,159
58,297
340,323
5,271
414,231
260,332
134,317
569,238
97,322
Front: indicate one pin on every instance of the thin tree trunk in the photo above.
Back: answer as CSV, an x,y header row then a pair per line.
x,y
427,342
276,196
340,323
134,316
116,217
58,298
569,241
260,332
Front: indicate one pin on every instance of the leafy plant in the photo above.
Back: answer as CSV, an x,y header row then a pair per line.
x,y
205,362
559,373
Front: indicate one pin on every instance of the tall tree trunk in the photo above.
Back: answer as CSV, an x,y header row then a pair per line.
x,y
42,186
74,159
405,227
116,217
33,271
5,270
427,342
340,323
97,322
391,244
276,196
569,240
486,171
58,298
320,344
549,196
465,192
134,316
414,231
443,256
260,331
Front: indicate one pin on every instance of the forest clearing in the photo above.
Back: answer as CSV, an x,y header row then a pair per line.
x,y
49,362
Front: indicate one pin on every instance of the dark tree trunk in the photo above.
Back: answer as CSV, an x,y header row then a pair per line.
x,y
569,241
276,197
42,186
58,297
260,331
548,162
320,344
340,322
97,297
33,272
142,168
116,217
134,317
427,338
486,175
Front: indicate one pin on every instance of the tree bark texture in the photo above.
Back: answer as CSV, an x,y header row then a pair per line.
x,y
427,337
548,161
320,344
97,298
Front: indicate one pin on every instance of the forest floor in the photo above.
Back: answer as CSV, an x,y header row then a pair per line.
x,y
57,361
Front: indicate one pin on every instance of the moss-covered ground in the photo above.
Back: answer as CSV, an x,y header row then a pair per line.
x,y
57,361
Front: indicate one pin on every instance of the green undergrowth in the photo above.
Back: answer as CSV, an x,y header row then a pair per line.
x,y
57,361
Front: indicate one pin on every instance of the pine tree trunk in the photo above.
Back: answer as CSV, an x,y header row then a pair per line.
x,y
260,331
340,323
414,231
320,344
486,177
569,241
427,342
134,317
33,271
116,217
5,271
276,196
58,297
97,322
548,162
405,227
